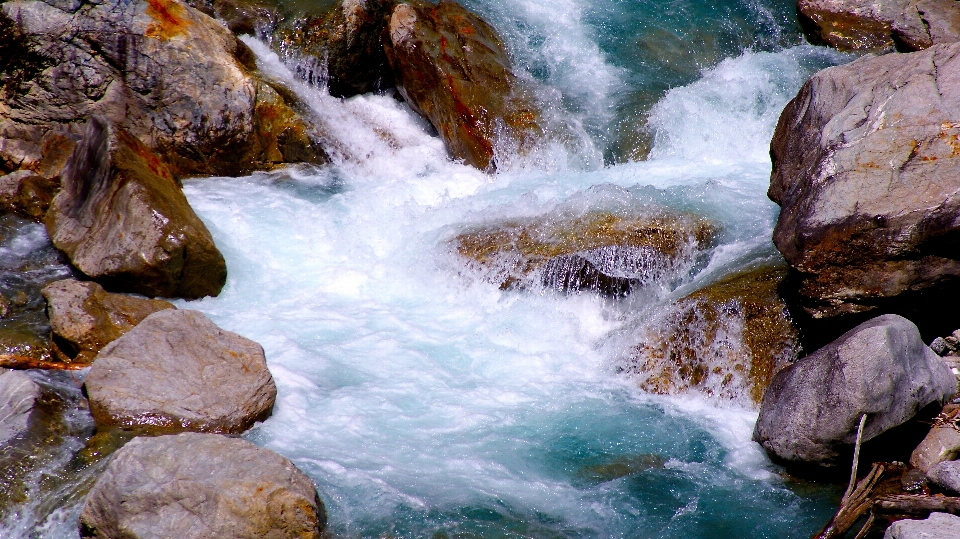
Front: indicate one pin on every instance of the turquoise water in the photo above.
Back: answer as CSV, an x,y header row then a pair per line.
x,y
426,402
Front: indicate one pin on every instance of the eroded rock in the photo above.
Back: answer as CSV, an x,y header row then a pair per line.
x,y
936,526
123,220
169,75
864,169
609,252
452,68
84,317
869,25
193,486
178,371
881,368
726,340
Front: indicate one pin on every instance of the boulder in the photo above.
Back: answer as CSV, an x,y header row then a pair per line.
x,y
946,475
864,169
608,252
123,220
452,68
177,371
936,526
881,368
193,486
727,339
869,25
84,317
941,444
169,75
343,49
18,397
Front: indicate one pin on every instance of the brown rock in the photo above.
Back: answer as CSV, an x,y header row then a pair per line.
x,y
194,486
869,25
166,73
122,219
603,251
727,339
452,68
864,169
84,317
941,444
177,371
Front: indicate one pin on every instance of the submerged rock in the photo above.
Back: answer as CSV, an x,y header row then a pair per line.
x,y
870,25
935,526
865,162
193,486
168,74
123,220
178,371
727,340
880,369
342,50
84,317
452,68
603,251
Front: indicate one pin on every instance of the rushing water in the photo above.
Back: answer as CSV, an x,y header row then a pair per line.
x,y
426,402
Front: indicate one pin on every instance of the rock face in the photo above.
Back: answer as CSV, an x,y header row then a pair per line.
x,y
607,252
452,69
122,219
169,75
869,25
881,368
936,526
726,340
177,371
947,475
343,49
193,486
864,168
84,317
18,396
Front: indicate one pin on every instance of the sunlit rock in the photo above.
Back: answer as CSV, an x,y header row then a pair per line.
x,y
18,396
726,340
177,371
452,68
193,486
171,76
123,220
84,317
865,162
608,252
881,369
869,25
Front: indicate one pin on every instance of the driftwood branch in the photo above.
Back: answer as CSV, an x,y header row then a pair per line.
x,y
916,504
856,460
853,506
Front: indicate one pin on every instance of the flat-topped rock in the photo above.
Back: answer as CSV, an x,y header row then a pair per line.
x,y
177,371
84,317
193,486
936,526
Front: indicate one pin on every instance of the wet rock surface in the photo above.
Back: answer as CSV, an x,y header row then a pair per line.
x,y
168,74
18,396
84,317
452,69
864,169
936,526
123,220
607,252
201,485
946,474
881,368
727,340
866,25
178,371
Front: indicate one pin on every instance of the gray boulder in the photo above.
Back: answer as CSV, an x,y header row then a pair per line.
x,y
193,486
18,396
946,474
936,526
865,162
870,25
84,317
881,368
123,220
177,371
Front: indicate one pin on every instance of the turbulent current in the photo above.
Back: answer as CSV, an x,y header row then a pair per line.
x,y
425,401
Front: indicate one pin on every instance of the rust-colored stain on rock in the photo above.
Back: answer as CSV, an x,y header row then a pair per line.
x,y
169,19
